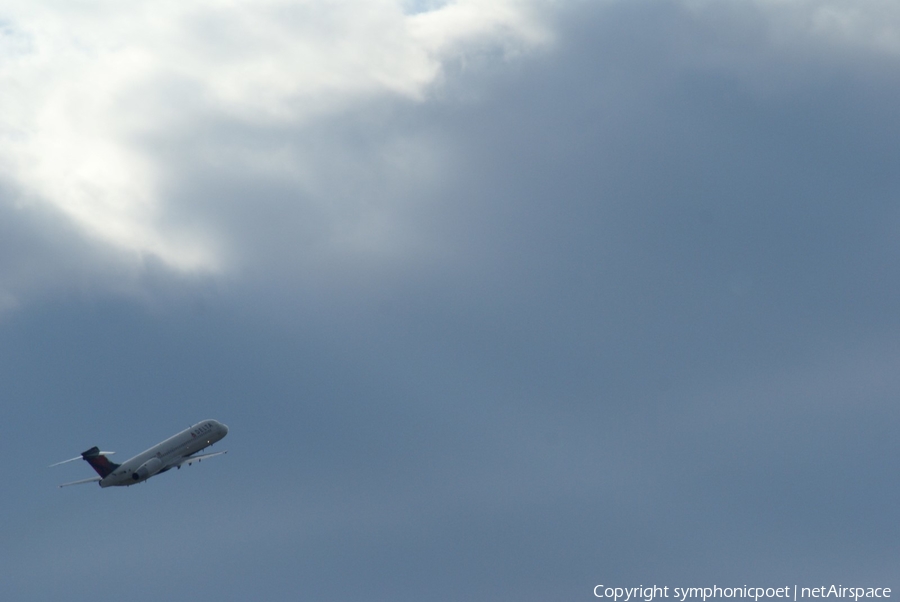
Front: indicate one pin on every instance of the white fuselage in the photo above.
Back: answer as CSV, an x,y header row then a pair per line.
x,y
163,456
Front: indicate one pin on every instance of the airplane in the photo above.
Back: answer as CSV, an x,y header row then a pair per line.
x,y
175,452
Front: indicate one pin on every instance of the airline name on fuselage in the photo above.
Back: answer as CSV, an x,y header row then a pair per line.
x,y
201,430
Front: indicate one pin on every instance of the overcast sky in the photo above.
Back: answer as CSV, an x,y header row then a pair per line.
x,y
500,299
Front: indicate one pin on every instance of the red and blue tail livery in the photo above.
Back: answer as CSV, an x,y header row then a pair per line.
x,y
99,462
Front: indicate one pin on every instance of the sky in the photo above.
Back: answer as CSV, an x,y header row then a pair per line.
x,y
500,299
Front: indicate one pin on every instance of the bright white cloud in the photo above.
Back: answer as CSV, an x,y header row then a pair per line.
x,y
87,84
97,93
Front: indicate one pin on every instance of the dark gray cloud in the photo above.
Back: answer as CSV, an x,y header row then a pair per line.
x,y
635,324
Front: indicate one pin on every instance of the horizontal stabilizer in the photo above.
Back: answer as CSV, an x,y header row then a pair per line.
x,y
91,480
191,459
103,453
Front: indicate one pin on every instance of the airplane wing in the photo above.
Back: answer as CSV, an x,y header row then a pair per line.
x,y
191,459
91,480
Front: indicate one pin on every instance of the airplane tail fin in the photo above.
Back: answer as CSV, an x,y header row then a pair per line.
x,y
98,461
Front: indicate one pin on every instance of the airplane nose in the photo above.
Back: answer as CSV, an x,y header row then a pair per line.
x,y
224,429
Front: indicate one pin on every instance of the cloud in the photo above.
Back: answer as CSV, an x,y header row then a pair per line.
x,y
211,137
293,138
97,94
873,26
